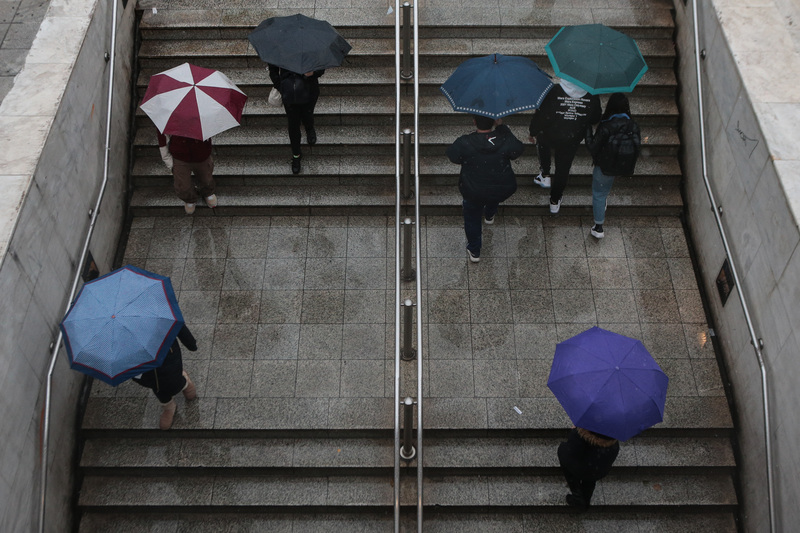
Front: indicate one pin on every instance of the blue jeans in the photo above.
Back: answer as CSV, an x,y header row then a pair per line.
x,y
473,214
601,186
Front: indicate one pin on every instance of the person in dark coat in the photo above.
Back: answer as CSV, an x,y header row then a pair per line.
x,y
585,457
557,128
299,105
616,119
486,177
169,379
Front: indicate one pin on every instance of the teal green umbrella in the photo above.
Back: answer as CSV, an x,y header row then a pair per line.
x,y
596,58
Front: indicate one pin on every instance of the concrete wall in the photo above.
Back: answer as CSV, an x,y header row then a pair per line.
x,y
751,108
53,125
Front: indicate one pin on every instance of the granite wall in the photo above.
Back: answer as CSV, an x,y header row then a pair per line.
x,y
52,146
751,110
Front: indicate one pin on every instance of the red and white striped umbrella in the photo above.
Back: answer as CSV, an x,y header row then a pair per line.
x,y
193,101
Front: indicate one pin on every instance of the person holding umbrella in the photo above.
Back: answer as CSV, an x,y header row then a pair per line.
x,y
188,105
585,457
486,177
299,94
557,128
297,49
169,379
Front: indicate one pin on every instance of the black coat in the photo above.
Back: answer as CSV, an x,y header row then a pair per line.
x,y
562,119
171,370
276,74
587,460
485,159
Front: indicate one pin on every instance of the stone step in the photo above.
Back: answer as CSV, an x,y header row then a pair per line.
x,y
435,520
706,416
332,166
263,492
655,80
628,198
435,111
658,53
129,455
352,140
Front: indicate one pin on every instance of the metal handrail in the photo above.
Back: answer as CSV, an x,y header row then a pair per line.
x,y
57,346
754,339
398,294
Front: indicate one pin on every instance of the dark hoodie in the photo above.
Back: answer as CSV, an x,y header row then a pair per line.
x,y
485,159
562,119
587,455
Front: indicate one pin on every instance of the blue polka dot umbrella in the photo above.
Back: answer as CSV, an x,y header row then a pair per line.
x,y
608,383
496,85
121,324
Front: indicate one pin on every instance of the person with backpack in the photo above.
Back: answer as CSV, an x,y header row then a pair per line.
x,y
486,177
615,148
557,129
299,93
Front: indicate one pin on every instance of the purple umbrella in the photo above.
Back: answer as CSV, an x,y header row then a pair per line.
x,y
608,383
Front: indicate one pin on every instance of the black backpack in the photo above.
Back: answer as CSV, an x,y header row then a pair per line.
x,y
620,152
294,89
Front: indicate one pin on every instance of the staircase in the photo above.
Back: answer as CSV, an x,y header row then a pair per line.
x,y
309,464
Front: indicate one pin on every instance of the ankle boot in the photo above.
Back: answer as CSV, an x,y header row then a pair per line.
x,y
189,390
167,414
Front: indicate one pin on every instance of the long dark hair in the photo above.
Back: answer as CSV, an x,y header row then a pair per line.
x,y
617,103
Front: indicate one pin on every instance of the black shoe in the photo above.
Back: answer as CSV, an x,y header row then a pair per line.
x,y
576,501
295,165
311,137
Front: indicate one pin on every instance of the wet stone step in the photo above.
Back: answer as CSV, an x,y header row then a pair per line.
x,y
435,521
706,414
243,491
439,452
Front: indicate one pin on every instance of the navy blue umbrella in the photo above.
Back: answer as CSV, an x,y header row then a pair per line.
x,y
608,383
496,85
299,43
121,324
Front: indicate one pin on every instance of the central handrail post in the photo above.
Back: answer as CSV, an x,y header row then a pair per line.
x,y
408,452
409,274
408,353
406,188
407,73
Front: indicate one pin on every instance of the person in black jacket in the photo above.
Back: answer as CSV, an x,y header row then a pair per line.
x,y
557,128
614,147
486,177
585,458
169,379
299,93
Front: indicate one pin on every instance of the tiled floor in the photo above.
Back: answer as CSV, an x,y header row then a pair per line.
x,y
19,23
303,307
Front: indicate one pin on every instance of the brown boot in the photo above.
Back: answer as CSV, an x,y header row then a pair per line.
x,y
189,390
167,414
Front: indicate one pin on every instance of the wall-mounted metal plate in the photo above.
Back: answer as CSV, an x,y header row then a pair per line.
x,y
725,282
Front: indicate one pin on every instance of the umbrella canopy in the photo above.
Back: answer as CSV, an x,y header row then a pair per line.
x,y
299,43
193,101
496,85
121,324
608,383
597,58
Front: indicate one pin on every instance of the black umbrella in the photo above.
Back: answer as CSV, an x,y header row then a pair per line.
x,y
299,43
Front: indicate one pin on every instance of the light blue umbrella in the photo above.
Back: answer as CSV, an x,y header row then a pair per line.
x,y
608,383
496,85
122,324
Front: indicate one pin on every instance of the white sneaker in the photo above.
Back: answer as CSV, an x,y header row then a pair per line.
x,y
473,258
542,181
189,208
488,221
597,231
555,207
211,201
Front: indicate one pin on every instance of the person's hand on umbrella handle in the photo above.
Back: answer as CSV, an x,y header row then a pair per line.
x,y
166,157
309,74
532,139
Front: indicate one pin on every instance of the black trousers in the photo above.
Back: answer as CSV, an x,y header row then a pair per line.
x,y
564,155
581,488
297,114
167,380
